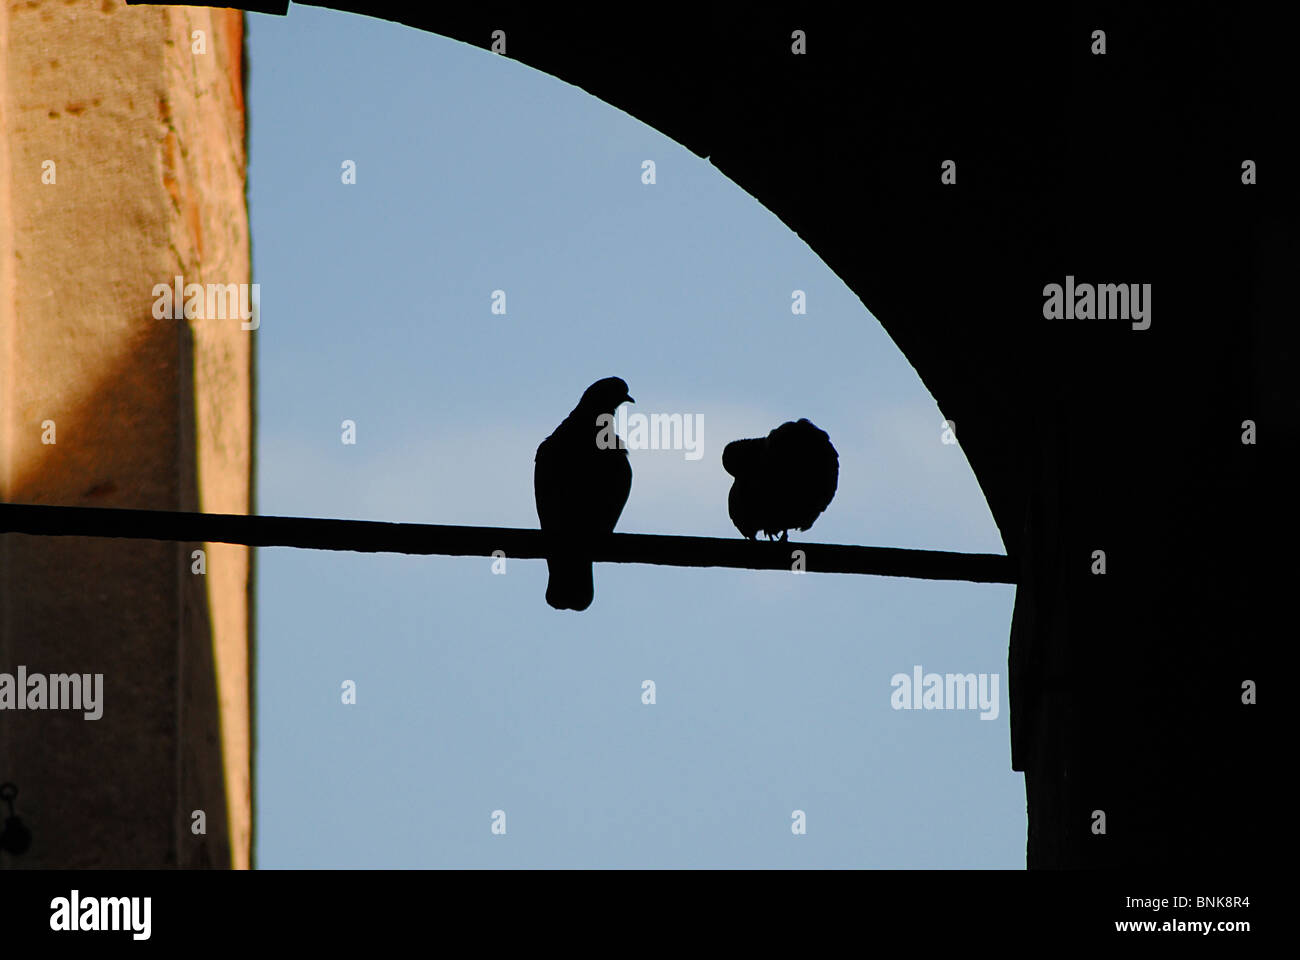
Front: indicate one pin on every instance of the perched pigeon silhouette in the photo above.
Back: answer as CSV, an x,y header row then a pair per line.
x,y
783,481
581,480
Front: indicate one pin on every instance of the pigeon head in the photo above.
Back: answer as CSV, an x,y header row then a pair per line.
x,y
604,396
742,456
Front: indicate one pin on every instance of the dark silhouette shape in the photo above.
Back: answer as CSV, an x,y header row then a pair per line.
x,y
581,481
783,481
15,838
428,539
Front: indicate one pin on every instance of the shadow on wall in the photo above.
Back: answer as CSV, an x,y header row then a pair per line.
x,y
120,790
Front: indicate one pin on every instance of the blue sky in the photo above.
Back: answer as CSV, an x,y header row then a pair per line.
x,y
476,173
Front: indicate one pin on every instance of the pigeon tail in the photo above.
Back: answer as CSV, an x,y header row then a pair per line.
x,y
570,586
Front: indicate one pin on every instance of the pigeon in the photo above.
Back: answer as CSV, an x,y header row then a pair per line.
x,y
581,480
783,481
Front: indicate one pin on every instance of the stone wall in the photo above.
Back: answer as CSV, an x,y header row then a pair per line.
x,y
123,167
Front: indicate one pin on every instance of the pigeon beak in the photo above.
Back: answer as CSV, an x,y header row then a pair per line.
x,y
628,399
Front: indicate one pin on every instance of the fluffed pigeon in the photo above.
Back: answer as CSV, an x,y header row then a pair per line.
x,y
783,481
581,480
